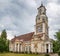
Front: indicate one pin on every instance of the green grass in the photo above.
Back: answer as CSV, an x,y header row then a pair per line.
x,y
15,54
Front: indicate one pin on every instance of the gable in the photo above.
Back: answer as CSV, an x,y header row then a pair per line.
x,y
25,37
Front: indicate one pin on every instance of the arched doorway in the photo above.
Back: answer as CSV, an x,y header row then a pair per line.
x,y
47,49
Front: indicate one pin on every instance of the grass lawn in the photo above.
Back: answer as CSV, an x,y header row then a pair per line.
x,y
15,54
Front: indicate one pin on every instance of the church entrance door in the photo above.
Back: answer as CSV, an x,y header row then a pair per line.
x,y
47,50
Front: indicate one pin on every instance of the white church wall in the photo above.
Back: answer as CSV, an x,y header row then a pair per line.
x,y
39,48
32,48
11,47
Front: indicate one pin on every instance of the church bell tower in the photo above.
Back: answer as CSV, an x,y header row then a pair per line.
x,y
41,26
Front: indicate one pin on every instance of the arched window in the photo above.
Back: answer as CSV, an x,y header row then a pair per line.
x,y
38,18
20,47
17,47
39,29
30,48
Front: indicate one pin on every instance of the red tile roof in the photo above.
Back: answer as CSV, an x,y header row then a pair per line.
x,y
25,37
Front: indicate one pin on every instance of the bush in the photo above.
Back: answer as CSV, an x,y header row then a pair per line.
x,y
59,53
30,52
46,54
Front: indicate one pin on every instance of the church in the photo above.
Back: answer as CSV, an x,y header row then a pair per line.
x,y
34,42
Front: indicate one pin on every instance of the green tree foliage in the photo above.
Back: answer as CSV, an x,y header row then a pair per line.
x,y
56,43
4,43
55,46
4,34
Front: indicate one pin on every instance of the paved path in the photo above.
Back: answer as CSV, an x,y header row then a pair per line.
x,y
53,54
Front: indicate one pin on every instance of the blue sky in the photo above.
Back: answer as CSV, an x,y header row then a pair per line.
x,y
18,16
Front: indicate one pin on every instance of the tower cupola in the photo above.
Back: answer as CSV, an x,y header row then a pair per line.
x,y
41,9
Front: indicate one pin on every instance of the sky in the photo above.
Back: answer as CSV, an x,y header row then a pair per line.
x,y
18,16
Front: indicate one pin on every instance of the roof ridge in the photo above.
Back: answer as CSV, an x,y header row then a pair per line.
x,y
25,34
25,37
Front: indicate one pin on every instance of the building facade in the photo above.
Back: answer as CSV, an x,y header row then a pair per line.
x,y
35,42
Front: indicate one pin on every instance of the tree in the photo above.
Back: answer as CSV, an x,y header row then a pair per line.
x,y
55,46
7,45
4,43
4,34
56,43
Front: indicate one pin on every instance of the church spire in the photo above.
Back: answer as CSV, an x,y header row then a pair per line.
x,y
41,3
41,9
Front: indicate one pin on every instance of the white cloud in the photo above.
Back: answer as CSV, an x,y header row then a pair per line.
x,y
54,1
31,3
18,16
53,9
1,25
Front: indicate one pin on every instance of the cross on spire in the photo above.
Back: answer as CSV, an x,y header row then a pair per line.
x,y
41,3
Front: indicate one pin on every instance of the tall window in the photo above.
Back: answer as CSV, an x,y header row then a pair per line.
x,y
39,29
20,47
29,48
17,47
26,48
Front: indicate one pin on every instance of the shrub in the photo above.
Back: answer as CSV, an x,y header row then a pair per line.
x,y
59,52
46,54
